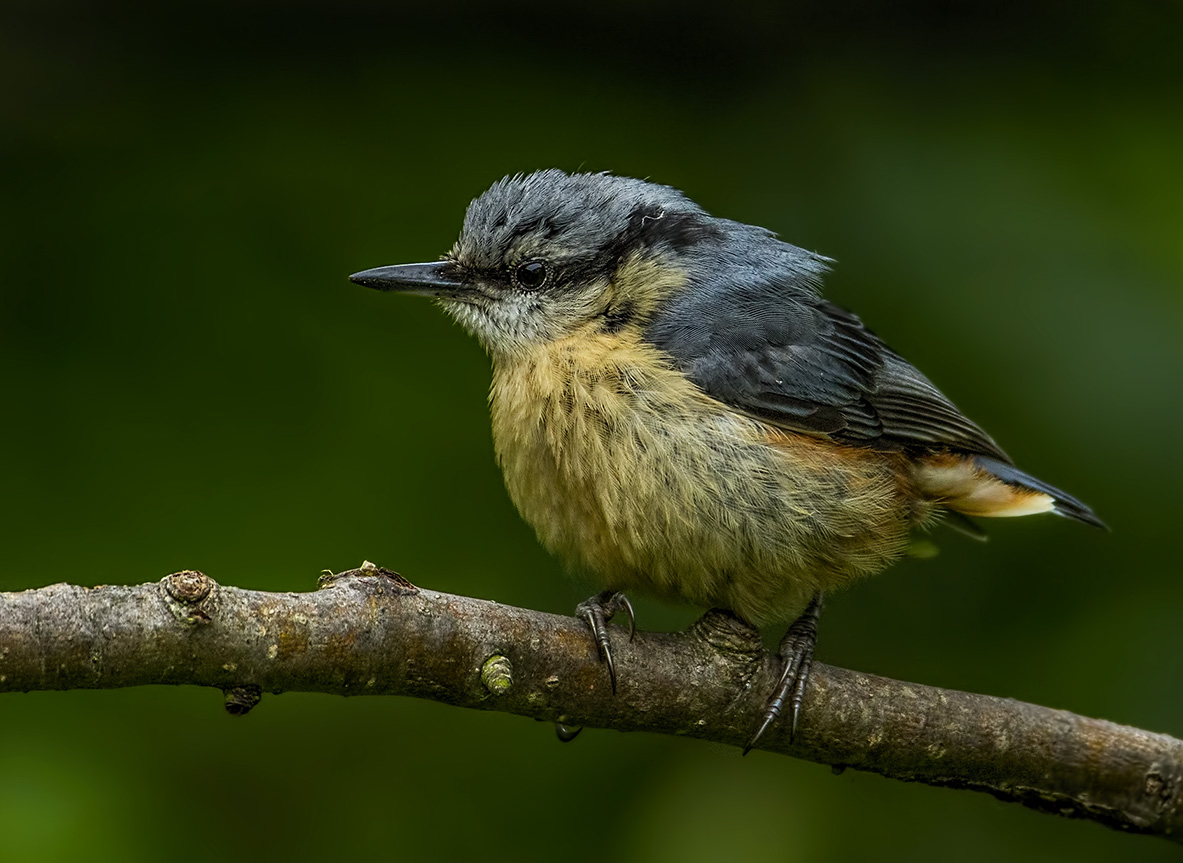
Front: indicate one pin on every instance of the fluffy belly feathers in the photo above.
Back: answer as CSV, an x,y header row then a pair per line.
x,y
629,472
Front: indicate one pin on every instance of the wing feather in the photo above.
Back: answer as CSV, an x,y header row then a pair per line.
x,y
804,364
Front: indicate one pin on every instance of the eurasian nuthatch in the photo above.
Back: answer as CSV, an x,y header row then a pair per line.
x,y
679,412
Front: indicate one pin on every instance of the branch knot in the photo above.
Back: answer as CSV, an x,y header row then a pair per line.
x,y
187,593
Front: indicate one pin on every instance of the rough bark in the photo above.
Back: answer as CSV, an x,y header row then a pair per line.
x,y
370,632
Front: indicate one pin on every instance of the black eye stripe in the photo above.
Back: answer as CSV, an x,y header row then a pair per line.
x,y
531,275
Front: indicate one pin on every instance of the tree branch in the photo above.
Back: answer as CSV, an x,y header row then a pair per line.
x,y
370,632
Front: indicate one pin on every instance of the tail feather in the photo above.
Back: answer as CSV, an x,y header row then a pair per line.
x,y
1064,503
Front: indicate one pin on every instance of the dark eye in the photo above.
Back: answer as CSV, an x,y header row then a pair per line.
x,y
530,276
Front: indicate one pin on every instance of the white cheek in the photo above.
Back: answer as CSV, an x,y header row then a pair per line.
x,y
518,316
504,326
469,317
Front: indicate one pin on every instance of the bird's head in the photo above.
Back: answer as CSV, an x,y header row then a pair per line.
x,y
548,254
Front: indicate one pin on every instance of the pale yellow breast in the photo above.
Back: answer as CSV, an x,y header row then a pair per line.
x,y
627,470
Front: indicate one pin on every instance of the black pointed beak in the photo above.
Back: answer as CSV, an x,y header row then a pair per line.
x,y
438,278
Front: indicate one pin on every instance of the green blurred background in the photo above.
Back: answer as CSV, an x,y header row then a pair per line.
x,y
190,381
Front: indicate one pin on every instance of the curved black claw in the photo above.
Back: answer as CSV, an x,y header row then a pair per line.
x,y
796,651
567,733
596,612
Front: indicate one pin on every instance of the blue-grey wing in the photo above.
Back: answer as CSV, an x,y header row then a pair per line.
x,y
804,364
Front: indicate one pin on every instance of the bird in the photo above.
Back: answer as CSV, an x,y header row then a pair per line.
x,y
679,412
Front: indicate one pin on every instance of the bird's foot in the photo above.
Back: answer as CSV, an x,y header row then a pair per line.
x,y
796,652
596,612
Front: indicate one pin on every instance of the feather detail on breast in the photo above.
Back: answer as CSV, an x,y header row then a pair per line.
x,y
627,469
